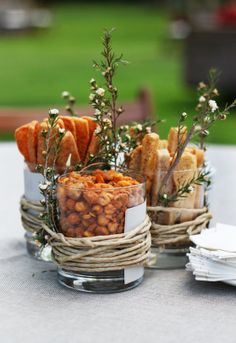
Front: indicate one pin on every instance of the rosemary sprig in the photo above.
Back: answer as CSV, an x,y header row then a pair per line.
x,y
186,189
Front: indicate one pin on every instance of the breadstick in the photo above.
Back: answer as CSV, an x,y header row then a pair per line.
x,y
150,144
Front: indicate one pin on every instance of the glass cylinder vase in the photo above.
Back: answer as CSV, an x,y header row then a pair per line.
x,y
100,210
173,223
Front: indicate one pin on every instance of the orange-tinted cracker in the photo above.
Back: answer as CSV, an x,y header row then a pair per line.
x,y
21,139
60,122
32,141
82,134
69,124
68,146
93,146
92,125
41,143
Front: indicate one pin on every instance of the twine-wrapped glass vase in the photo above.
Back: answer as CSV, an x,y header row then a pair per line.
x,y
173,224
103,234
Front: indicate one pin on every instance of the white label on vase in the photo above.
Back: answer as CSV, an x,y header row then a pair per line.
x,y
134,217
31,185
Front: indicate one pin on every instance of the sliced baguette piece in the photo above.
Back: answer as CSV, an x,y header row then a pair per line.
x,y
150,144
92,125
68,146
163,144
82,134
173,138
185,171
32,141
93,146
135,159
162,165
69,125
21,135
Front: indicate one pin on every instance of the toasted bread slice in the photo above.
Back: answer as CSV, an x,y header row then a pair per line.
x,y
93,146
174,138
92,126
41,142
21,135
68,146
185,171
163,144
82,134
69,125
162,165
32,141
135,159
150,144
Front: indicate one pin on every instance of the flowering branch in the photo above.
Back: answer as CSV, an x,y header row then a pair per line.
x,y
107,111
208,113
70,107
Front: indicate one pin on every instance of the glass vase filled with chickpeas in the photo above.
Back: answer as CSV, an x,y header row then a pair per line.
x,y
98,203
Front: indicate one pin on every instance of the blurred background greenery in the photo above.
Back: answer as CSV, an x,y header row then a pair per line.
x,y
37,67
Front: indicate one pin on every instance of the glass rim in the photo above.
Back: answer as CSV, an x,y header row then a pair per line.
x,y
87,171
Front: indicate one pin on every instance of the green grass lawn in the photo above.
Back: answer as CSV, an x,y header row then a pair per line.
x,y
36,68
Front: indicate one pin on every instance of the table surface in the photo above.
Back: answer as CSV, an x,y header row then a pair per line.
x,y
169,306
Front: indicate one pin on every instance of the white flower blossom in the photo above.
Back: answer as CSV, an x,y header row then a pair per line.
x,y
97,112
139,127
148,129
97,130
65,94
184,115
61,130
202,99
91,96
100,91
190,189
213,105
92,81
54,111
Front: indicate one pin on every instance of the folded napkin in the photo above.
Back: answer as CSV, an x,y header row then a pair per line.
x,y
214,258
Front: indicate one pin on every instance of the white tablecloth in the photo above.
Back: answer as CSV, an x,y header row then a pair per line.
x,y
169,306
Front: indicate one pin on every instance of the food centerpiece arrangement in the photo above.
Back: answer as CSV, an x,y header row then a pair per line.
x,y
87,181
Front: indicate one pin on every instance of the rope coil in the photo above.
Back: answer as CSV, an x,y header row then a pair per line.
x,y
101,253
30,212
177,234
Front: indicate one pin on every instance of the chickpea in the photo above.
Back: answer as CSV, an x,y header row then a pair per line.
x,y
112,227
101,231
87,234
80,206
70,232
91,197
70,204
98,209
102,220
73,219
104,199
109,209
79,232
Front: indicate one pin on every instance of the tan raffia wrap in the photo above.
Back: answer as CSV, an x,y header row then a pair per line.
x,y
31,221
101,253
176,234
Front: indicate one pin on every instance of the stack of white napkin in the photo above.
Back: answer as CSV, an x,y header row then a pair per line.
x,y
214,258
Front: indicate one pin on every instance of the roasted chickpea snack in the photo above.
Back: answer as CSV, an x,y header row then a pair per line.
x,y
94,203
